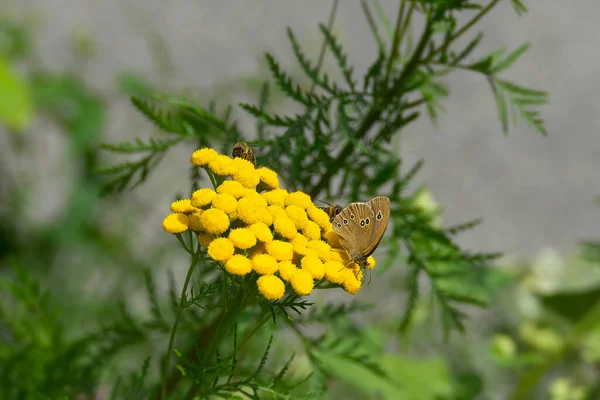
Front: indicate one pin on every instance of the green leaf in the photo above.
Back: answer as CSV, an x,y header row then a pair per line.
x,y
510,59
572,304
16,107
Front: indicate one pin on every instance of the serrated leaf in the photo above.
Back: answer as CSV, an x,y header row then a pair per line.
x,y
510,59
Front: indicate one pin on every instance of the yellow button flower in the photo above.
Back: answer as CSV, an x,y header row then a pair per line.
x,y
202,197
334,272
276,197
302,282
311,230
222,165
203,156
264,264
225,202
175,223
320,217
248,177
233,188
280,250
320,247
242,238
277,211
241,163
205,239
286,270
285,227
238,265
300,243
299,199
214,221
351,283
221,249
262,232
265,217
182,206
194,220
271,287
371,262
268,178
249,207
298,215
314,266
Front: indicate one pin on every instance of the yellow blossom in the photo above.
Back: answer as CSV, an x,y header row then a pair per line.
x,y
280,250
320,247
182,206
285,227
268,178
233,188
271,287
333,239
214,221
265,217
351,283
277,211
225,202
238,265
286,270
314,266
311,230
202,197
298,215
205,239
242,238
175,223
247,176
302,282
300,243
262,232
299,199
194,220
222,165
275,197
264,264
371,262
334,272
221,249
320,217
249,208
203,156
241,163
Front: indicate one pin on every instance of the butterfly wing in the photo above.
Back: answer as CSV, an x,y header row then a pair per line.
x,y
381,211
354,225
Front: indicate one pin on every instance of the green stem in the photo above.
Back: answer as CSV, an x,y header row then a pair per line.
x,y
324,45
182,300
398,34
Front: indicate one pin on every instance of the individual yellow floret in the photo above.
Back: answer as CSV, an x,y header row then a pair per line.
x,y
280,250
264,264
299,199
320,217
194,220
285,227
242,238
202,197
221,249
214,221
262,232
314,266
268,178
286,270
275,197
205,239
182,206
225,202
302,282
333,239
175,223
298,215
247,176
322,249
271,287
351,283
233,188
238,265
265,217
334,272
312,231
300,243
203,156
222,165
371,262
277,211
249,208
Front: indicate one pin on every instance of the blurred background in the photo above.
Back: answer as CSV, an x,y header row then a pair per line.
x,y
81,57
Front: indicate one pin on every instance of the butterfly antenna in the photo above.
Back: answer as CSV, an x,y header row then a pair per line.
x,y
324,202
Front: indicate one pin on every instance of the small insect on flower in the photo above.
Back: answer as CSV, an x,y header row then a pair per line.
x,y
332,211
243,151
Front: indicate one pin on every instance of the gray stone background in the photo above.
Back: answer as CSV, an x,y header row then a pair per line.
x,y
532,191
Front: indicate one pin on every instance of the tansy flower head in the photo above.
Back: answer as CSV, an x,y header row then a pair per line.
x,y
351,282
285,227
311,230
264,264
298,215
280,250
299,199
182,206
214,221
268,178
202,197
249,208
302,282
233,188
221,249
286,270
238,265
225,202
175,223
262,232
242,238
241,163
314,266
265,217
371,262
276,197
271,287
194,220
300,243
222,165
277,211
334,272
205,239
320,247
248,177
320,217
203,156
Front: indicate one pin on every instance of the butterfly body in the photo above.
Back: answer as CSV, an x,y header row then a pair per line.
x,y
361,226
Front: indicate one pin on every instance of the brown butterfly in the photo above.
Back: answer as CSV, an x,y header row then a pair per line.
x,y
361,226
242,150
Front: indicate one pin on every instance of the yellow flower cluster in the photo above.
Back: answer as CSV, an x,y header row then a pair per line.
x,y
249,224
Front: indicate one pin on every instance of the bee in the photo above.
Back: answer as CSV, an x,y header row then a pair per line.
x,y
332,210
243,151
